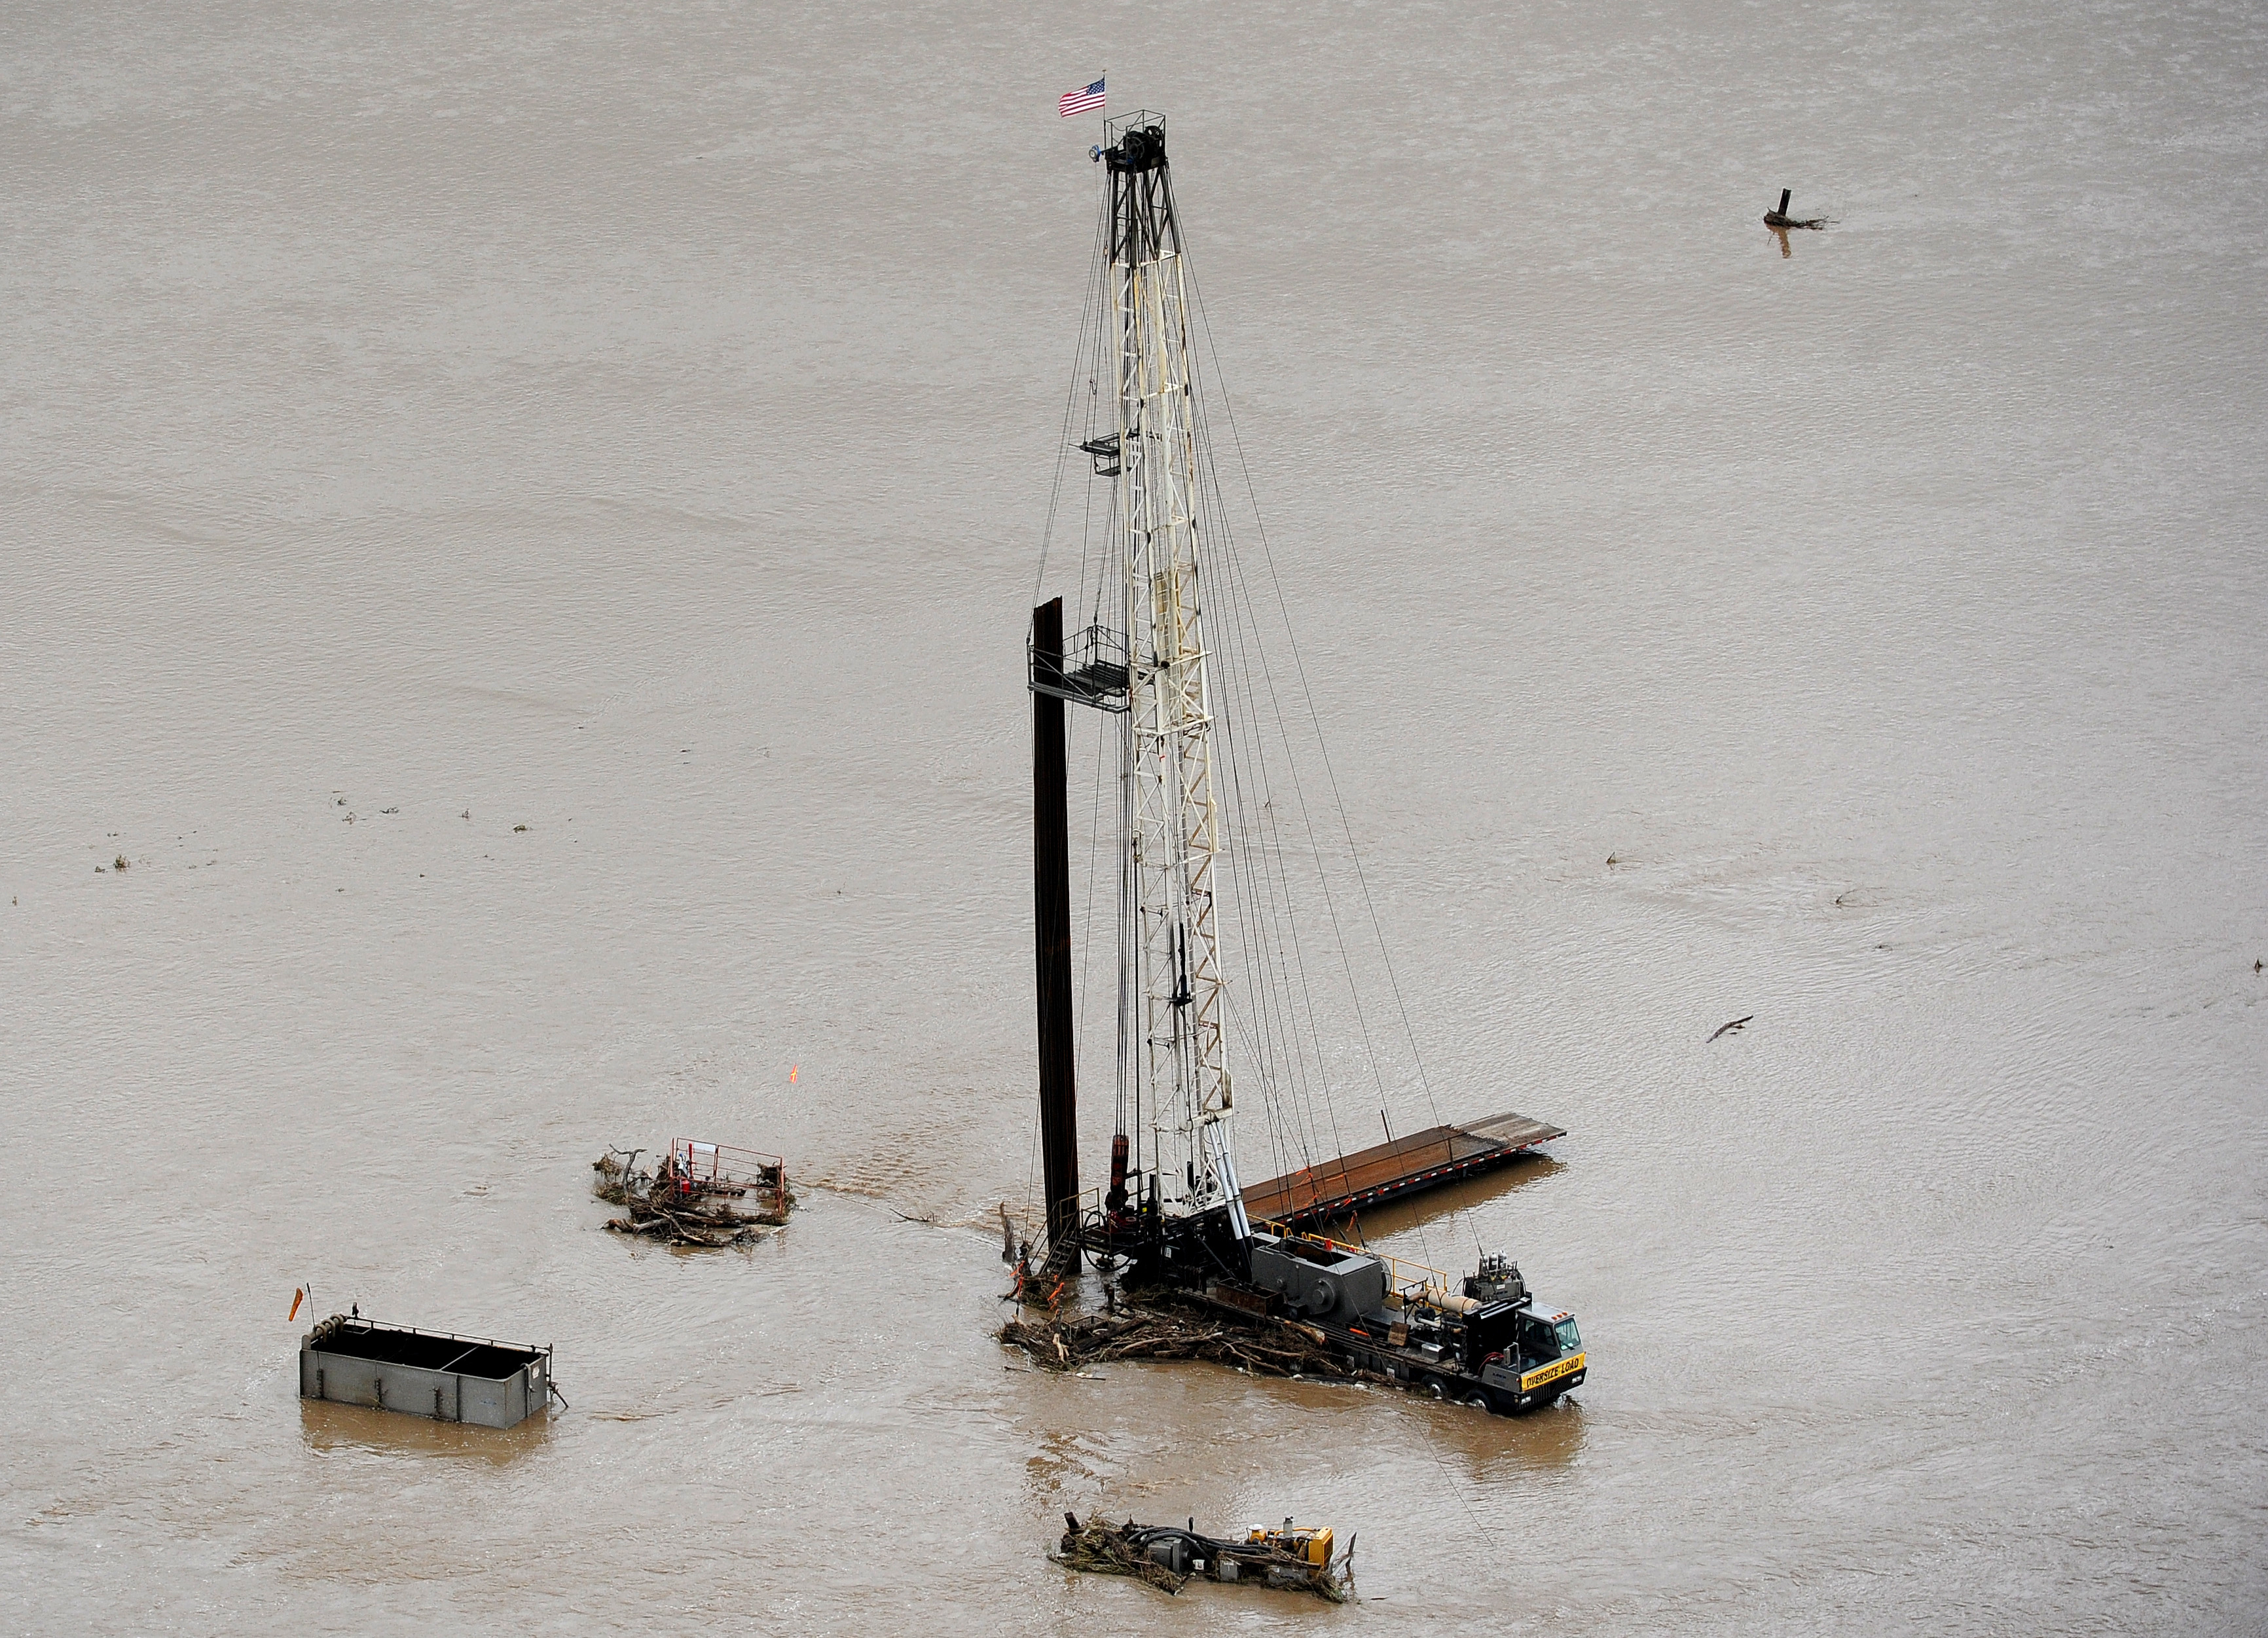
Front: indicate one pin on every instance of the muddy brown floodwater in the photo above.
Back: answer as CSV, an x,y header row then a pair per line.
x,y
634,424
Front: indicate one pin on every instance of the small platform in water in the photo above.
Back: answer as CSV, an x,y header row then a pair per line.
x,y
1384,1172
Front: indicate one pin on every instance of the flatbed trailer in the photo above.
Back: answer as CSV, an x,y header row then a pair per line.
x,y
1370,1176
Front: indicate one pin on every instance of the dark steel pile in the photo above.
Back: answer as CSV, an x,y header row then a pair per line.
x,y
1160,1326
1168,1558
682,1211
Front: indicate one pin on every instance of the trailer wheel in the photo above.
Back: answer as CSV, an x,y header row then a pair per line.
x,y
1433,1387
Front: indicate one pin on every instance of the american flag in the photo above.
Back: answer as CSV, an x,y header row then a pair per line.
x,y
1080,102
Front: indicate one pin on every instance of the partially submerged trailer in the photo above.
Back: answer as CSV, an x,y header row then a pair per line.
x,y
1334,1190
439,1375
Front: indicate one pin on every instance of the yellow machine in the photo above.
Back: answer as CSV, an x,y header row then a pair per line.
x,y
1304,1542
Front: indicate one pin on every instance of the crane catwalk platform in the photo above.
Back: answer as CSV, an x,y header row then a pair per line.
x,y
1384,1172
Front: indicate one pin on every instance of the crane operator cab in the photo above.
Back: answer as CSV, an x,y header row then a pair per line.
x,y
1543,1359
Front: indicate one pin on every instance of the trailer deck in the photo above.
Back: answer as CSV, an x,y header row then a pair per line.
x,y
1384,1172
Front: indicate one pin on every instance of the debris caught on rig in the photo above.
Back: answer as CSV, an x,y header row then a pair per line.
x,y
1163,1327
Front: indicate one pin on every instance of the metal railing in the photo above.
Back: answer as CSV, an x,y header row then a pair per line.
x,y
338,1322
719,1168
1092,669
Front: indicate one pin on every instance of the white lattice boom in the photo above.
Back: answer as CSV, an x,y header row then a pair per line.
x,y
1176,830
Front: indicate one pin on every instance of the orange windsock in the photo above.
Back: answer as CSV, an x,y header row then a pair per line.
x,y
297,1298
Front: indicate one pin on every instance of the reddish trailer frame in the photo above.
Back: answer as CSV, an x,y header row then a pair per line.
x,y
1406,1165
721,1169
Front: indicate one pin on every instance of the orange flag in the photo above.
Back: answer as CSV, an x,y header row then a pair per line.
x,y
297,1298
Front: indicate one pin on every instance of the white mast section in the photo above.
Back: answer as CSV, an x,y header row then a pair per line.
x,y
1176,831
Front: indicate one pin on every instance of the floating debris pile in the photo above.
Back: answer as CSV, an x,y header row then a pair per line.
x,y
1161,1325
1780,218
1167,1556
701,1195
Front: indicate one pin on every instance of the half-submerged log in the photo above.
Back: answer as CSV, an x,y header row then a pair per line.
x,y
1780,218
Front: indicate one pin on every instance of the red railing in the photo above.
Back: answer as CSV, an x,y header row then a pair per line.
x,y
721,1169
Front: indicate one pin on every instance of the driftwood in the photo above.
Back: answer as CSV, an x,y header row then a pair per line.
x,y
1103,1549
1160,1326
683,1211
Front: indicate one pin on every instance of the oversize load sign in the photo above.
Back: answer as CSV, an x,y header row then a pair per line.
x,y
1552,1372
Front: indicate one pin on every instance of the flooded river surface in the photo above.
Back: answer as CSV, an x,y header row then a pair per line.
x,y
518,524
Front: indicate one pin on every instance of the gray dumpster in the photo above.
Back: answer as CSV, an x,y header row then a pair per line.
x,y
435,1374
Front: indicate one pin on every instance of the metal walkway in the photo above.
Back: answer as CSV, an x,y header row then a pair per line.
x,y
1408,1165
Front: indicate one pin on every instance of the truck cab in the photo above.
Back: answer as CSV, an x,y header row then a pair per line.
x,y
1543,1360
